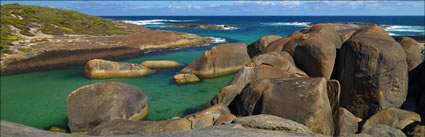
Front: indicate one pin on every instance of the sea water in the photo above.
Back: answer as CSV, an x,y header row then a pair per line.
x,y
38,99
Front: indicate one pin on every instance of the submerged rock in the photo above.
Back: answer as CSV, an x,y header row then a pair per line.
x,y
372,72
94,104
99,69
219,60
158,64
279,97
184,78
258,46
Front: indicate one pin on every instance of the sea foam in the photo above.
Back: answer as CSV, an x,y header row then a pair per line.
x,y
303,24
154,21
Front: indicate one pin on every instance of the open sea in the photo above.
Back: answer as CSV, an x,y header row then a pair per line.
x,y
38,99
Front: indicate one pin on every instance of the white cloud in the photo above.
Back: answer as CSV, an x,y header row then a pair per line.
x,y
265,3
290,4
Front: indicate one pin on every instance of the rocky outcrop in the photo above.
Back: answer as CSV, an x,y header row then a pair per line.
x,y
184,78
219,60
315,55
267,65
284,44
158,64
99,69
412,50
372,72
418,131
346,124
94,104
10,129
259,45
383,131
327,31
279,97
393,117
202,26
61,51
270,122
350,26
202,119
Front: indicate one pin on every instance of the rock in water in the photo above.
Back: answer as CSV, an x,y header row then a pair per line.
x,y
327,31
315,55
303,100
186,78
99,69
383,131
393,117
281,44
220,60
270,122
346,124
158,64
268,65
372,72
259,45
94,104
412,50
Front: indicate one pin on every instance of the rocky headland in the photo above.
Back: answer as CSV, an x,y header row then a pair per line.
x,y
30,45
202,26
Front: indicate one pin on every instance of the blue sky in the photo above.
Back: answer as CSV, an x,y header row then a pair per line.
x,y
284,8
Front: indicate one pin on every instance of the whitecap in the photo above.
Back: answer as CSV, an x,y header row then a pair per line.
x,y
218,40
154,21
304,24
400,28
224,27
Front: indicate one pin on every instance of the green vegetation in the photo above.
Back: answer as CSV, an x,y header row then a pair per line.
x,y
50,21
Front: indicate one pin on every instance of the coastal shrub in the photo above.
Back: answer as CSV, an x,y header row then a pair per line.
x,y
50,21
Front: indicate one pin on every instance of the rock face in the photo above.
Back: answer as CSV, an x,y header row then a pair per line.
x,y
270,122
186,78
99,69
93,104
346,123
327,31
281,44
279,97
372,72
220,60
418,131
393,117
259,45
315,55
383,131
160,64
268,65
412,50
202,119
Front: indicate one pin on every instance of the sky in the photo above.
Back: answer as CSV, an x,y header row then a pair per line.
x,y
238,8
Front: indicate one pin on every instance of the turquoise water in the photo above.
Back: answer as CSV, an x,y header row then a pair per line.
x,y
38,99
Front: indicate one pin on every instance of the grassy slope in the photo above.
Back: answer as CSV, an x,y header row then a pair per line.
x,y
51,21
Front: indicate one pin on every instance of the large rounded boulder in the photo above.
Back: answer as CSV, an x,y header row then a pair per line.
x,y
281,44
372,72
304,100
158,64
393,117
100,69
262,43
315,55
94,104
412,50
328,31
219,60
268,65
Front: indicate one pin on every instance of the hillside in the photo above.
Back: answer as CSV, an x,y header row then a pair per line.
x,y
18,21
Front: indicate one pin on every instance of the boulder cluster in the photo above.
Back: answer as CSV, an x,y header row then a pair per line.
x,y
325,80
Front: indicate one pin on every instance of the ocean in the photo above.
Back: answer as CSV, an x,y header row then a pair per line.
x,y
38,99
